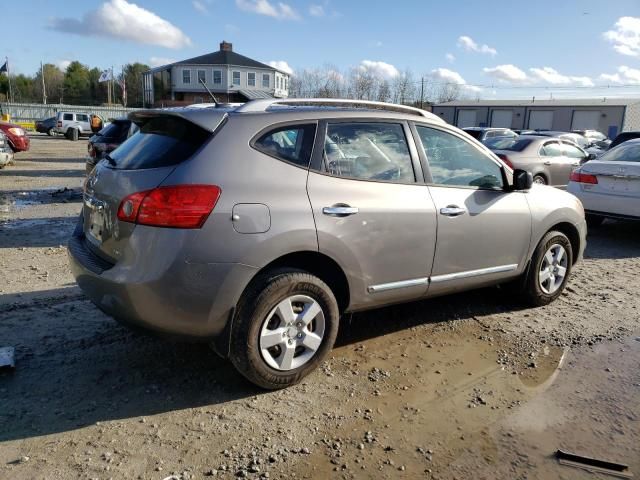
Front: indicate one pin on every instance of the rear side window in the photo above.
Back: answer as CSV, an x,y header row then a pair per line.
x,y
162,141
477,134
292,143
368,151
67,116
115,131
551,149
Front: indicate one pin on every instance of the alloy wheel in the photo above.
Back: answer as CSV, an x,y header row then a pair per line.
x,y
553,269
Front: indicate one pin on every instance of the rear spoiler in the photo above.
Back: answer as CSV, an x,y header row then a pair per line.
x,y
206,118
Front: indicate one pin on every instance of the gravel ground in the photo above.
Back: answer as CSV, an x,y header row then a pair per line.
x,y
467,386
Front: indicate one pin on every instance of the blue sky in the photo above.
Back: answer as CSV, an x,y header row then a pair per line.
x,y
496,48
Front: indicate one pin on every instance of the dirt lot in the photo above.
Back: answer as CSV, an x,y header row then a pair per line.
x,y
469,386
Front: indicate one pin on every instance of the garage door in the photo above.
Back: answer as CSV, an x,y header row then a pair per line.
x,y
585,120
540,119
467,118
501,118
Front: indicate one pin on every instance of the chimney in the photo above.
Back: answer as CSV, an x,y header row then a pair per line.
x,y
226,47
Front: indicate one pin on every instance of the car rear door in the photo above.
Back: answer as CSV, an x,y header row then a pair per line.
x,y
373,212
483,230
556,166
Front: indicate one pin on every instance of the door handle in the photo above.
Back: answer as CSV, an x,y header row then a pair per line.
x,y
340,211
548,162
452,211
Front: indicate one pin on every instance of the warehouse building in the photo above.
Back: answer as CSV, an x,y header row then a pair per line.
x,y
231,77
607,115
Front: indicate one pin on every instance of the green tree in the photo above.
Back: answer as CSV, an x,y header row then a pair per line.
x,y
132,73
53,79
77,84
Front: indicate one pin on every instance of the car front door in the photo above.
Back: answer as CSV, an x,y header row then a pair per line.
x,y
484,230
373,212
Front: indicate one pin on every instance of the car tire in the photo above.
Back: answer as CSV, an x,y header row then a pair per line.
x,y
540,289
540,180
594,221
269,336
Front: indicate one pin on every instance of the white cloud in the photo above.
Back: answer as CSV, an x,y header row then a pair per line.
x,y
63,64
625,75
282,66
625,36
450,57
445,75
316,11
160,61
124,21
506,73
382,69
469,45
200,7
281,11
553,77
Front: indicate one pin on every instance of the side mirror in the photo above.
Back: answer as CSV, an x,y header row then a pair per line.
x,y
591,156
522,180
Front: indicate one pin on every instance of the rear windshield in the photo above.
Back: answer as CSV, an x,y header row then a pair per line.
x,y
626,152
161,141
115,131
508,143
474,133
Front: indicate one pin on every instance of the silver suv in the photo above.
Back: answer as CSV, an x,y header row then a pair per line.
x,y
73,125
255,227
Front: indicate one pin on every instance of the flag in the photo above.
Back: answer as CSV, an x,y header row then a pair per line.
x,y
105,76
5,68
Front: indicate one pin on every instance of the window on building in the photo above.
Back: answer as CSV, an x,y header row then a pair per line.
x,y
236,78
202,76
286,83
186,76
251,79
455,162
368,151
278,80
265,80
217,77
292,143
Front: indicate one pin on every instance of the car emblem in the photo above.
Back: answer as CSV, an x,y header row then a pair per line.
x,y
621,169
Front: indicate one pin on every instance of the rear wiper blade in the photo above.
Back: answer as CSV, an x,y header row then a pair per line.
x,y
110,159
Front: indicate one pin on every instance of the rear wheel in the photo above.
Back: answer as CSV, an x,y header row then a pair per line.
x,y
549,270
51,132
284,328
540,180
594,221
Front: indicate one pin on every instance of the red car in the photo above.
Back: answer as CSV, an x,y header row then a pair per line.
x,y
18,139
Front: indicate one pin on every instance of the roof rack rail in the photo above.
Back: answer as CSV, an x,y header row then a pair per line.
x,y
262,104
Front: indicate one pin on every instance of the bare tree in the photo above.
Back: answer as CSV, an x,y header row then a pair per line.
x,y
404,88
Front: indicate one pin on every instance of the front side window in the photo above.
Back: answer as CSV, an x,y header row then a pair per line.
x,y
217,77
455,162
251,79
368,151
186,76
572,151
551,149
265,80
236,78
202,76
292,143
81,117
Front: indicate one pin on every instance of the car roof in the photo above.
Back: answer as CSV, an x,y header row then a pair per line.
x,y
302,108
485,129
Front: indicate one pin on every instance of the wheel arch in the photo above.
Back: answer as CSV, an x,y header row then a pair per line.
x,y
572,234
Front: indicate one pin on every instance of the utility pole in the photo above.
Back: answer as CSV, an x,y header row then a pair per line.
x,y
9,79
44,88
422,94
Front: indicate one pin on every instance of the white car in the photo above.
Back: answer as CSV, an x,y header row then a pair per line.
x,y
73,125
609,187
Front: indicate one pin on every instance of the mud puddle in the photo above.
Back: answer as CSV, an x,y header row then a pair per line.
x,y
459,408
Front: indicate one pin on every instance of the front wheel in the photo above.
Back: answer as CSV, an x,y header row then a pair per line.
x,y
549,270
284,327
540,180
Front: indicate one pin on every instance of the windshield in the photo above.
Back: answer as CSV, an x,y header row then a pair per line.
x,y
161,141
508,143
626,152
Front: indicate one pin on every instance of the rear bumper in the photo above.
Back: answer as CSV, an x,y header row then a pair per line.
x,y
182,299
606,204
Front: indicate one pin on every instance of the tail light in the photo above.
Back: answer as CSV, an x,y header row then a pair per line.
x,y
92,151
578,177
59,124
506,160
177,206
18,132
